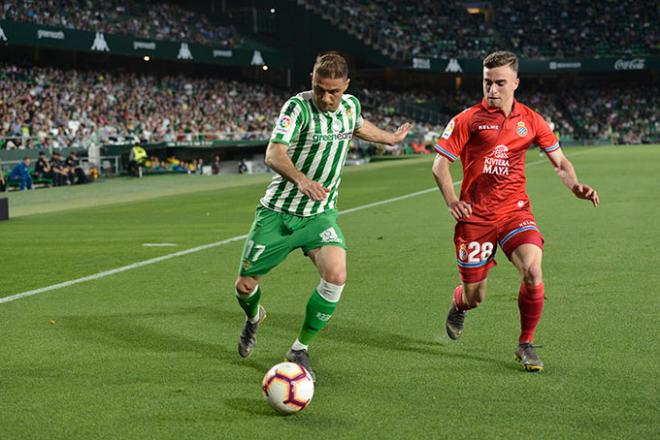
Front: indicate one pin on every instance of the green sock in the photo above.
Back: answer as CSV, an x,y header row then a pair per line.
x,y
250,303
317,316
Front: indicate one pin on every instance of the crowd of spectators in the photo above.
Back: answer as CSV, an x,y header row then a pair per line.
x,y
47,108
147,19
572,28
543,28
620,117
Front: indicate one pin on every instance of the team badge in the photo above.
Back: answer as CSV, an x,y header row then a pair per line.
x,y
246,264
448,130
462,252
284,122
522,130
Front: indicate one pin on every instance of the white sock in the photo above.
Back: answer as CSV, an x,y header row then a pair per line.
x,y
298,346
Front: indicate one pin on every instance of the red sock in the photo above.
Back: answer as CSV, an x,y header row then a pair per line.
x,y
458,299
530,304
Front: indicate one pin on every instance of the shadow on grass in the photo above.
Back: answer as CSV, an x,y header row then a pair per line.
x,y
253,407
127,331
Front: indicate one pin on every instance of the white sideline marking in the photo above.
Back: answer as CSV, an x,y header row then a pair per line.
x,y
151,261
158,244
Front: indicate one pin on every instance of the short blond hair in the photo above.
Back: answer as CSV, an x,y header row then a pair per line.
x,y
331,65
501,58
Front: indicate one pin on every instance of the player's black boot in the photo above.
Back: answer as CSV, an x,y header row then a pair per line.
x,y
526,354
248,338
455,322
300,357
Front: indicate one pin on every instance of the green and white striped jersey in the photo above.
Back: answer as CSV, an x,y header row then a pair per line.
x,y
318,143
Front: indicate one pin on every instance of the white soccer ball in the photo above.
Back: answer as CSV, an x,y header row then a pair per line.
x,y
288,388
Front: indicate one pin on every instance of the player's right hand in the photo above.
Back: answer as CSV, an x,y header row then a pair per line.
x,y
313,189
460,209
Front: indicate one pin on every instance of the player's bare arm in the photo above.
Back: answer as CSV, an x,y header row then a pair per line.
x,y
457,208
370,133
566,172
278,159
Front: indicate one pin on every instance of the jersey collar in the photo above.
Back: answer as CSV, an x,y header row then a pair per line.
x,y
514,112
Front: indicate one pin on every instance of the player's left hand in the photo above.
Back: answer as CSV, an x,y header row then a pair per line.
x,y
401,133
586,192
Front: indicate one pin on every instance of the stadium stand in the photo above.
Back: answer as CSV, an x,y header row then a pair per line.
x,y
56,108
547,28
48,107
157,20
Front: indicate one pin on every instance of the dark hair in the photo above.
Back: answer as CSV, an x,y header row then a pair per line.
x,y
501,58
331,65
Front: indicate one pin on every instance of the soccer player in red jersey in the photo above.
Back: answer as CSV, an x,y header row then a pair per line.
x,y
491,139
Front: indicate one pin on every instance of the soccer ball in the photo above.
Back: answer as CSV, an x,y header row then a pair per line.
x,y
288,388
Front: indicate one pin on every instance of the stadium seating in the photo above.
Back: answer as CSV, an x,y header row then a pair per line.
x,y
157,20
546,28
47,107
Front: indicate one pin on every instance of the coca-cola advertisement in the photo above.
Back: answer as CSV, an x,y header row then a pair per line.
x,y
634,64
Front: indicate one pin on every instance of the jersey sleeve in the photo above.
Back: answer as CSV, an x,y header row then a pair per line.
x,y
455,136
289,122
545,138
359,120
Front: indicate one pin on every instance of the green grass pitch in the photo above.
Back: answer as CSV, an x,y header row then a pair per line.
x,y
150,353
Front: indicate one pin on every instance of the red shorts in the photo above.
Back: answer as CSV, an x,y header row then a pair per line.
x,y
476,243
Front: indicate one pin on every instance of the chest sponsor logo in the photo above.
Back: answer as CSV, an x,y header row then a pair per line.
x,y
497,161
489,127
449,129
332,137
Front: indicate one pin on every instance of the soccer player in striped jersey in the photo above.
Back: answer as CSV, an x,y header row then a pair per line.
x,y
307,150
491,139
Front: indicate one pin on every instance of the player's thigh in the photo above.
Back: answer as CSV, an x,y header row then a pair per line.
x,y
517,231
527,259
268,243
322,239
330,262
319,231
476,245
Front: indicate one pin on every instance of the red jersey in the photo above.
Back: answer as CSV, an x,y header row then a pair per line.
x,y
492,149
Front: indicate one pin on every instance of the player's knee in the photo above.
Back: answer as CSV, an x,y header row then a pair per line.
x,y
474,294
329,291
532,274
245,285
335,276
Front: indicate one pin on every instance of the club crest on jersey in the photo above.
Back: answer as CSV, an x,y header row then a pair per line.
x,y
497,161
284,122
462,252
449,129
330,236
246,264
522,130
